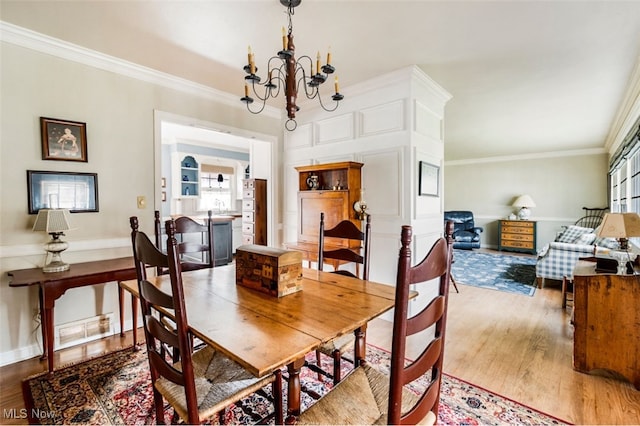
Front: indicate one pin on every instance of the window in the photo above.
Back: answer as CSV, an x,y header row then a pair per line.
x,y
215,189
625,174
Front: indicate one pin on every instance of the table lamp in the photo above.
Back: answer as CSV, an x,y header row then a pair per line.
x,y
524,202
54,222
621,226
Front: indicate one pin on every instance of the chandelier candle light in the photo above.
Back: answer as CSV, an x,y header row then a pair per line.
x,y
54,222
290,73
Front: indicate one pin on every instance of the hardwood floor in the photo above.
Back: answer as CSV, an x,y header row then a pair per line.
x,y
521,347
517,346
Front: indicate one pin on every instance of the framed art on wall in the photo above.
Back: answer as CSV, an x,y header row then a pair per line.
x,y
429,180
63,140
77,192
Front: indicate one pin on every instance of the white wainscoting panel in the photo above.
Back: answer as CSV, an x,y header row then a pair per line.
x,y
382,182
290,230
383,118
335,129
291,185
302,137
427,123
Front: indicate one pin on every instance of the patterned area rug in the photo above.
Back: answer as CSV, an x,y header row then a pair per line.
x,y
513,274
115,389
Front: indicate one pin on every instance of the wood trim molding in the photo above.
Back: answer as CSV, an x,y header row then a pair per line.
x,y
23,37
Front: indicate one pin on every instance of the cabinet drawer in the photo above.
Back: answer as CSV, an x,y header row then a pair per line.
x,y
248,184
517,223
247,239
518,244
517,230
248,193
247,228
517,237
248,217
247,205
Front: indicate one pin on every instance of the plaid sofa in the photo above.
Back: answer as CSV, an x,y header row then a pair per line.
x,y
557,259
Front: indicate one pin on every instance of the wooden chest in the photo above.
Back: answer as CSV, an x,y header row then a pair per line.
x,y
270,270
517,235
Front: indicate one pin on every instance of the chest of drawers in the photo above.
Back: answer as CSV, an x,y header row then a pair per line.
x,y
254,211
517,235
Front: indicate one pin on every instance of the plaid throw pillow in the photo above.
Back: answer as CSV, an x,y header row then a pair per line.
x,y
587,238
572,233
606,242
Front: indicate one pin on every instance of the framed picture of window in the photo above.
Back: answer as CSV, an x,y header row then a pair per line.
x,y
63,140
429,179
77,192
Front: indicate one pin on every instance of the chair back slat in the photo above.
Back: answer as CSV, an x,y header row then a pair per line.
x,y
162,369
195,241
432,313
434,269
154,296
346,230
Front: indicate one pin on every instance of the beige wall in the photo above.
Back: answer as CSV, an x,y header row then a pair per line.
x,y
119,112
559,184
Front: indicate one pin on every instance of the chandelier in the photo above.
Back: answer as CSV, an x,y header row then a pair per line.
x,y
285,71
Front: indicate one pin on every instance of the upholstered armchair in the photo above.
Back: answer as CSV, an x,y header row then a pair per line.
x,y
465,234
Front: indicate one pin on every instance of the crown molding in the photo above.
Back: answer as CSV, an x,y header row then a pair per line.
x,y
38,42
537,156
628,112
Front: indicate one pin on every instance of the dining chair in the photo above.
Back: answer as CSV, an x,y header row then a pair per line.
x,y
345,229
205,381
195,241
368,396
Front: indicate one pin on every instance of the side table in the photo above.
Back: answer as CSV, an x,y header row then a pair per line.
x,y
53,285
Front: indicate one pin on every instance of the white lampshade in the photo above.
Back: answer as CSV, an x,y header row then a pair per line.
x,y
524,201
52,220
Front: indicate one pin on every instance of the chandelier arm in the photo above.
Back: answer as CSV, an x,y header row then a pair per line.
x,y
267,91
303,79
264,104
324,107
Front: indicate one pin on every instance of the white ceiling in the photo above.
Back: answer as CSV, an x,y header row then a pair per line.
x,y
526,76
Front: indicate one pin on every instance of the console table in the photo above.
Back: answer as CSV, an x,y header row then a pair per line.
x,y
606,322
55,284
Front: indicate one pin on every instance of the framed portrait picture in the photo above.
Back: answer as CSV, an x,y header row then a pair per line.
x,y
63,140
77,192
429,180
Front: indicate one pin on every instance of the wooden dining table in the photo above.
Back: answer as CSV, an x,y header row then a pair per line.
x,y
264,333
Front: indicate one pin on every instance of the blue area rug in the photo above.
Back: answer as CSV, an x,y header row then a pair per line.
x,y
513,274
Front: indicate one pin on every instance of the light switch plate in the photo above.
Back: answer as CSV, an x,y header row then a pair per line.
x,y
142,202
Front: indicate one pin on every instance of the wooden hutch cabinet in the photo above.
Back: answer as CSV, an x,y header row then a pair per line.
x,y
331,189
254,211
